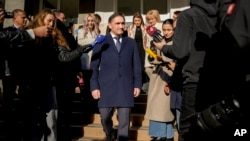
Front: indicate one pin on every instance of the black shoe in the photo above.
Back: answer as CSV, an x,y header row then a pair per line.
x,y
171,139
162,139
153,138
159,139
109,138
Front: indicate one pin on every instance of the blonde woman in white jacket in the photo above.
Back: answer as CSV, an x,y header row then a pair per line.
x,y
152,19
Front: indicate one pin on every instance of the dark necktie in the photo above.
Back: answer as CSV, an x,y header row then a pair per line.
x,y
118,43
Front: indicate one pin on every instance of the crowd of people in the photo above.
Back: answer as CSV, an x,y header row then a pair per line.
x,y
42,61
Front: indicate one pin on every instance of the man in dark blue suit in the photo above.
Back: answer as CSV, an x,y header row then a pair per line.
x,y
116,77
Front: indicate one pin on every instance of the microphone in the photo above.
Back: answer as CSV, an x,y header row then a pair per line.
x,y
155,33
89,47
154,55
98,40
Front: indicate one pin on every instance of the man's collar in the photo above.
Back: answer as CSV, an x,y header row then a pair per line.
x,y
115,35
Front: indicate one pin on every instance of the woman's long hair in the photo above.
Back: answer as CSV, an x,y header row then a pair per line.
x,y
56,36
138,15
85,25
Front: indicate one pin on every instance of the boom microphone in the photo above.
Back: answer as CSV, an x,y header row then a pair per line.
x,y
155,33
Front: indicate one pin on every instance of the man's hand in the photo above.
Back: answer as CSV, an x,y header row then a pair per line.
x,y
42,31
137,92
1,15
159,45
96,94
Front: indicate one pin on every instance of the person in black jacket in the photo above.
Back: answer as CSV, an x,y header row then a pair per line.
x,y
66,82
193,33
37,79
48,76
9,80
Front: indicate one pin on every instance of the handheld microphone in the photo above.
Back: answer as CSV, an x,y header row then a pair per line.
x,y
154,55
98,40
155,33
89,47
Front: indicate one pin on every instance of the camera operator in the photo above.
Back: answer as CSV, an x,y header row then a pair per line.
x,y
21,36
18,36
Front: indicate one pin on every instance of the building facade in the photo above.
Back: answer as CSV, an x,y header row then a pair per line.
x,y
76,10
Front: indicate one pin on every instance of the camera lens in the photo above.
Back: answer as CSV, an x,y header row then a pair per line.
x,y
222,113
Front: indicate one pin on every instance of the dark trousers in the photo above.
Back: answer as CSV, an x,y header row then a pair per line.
x,y
189,130
123,118
9,90
11,105
33,106
64,100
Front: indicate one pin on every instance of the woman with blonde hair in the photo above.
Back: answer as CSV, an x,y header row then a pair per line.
x,y
137,31
153,19
86,34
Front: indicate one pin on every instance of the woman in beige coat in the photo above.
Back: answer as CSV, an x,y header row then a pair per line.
x,y
158,105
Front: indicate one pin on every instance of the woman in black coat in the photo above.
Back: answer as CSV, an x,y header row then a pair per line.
x,y
39,74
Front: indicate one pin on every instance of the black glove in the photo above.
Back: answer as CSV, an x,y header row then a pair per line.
x,y
85,48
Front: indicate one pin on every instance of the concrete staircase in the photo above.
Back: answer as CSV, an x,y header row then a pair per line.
x,y
91,129
86,122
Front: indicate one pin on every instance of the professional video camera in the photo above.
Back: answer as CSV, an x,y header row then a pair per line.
x,y
222,119
226,111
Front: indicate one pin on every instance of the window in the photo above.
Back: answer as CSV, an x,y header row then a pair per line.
x,y
128,7
160,5
70,8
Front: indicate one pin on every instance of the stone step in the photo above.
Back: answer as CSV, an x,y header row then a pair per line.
x,y
135,133
94,126
135,119
96,139
94,132
79,118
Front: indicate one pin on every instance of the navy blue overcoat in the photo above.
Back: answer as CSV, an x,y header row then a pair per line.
x,y
116,74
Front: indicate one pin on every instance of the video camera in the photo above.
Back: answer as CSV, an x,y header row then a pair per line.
x,y
221,118
222,113
8,15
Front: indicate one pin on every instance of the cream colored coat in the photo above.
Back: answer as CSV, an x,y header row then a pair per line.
x,y
84,40
149,39
158,103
